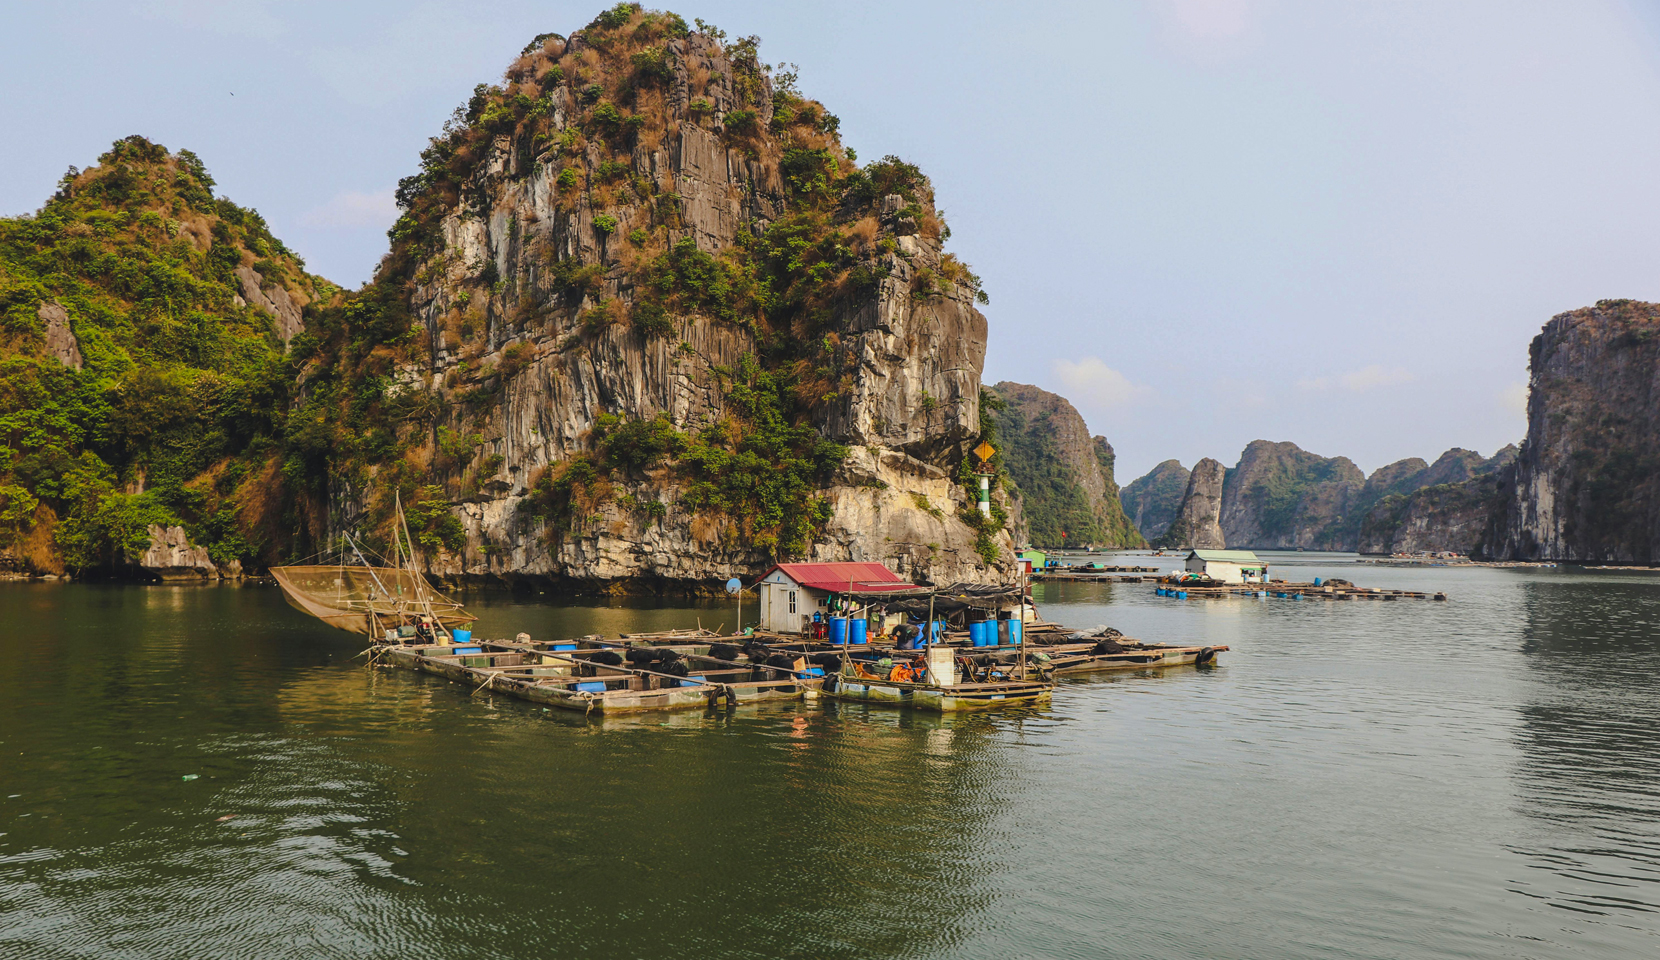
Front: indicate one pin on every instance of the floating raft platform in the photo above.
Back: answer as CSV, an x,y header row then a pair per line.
x,y
565,674
573,674
1280,590
1084,576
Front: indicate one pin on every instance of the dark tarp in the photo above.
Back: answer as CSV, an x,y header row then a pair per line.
x,y
949,599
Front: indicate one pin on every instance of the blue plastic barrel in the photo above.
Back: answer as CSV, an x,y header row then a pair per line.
x,y
592,686
461,650
693,681
563,646
461,636
1317,581
838,630
860,628
1181,595
1014,631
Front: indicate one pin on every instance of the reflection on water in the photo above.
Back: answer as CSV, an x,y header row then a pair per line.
x,y
1589,744
1471,779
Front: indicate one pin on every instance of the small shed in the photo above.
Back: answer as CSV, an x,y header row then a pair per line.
x,y
1033,561
1228,566
790,593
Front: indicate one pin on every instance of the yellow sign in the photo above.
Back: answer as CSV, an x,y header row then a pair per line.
x,y
984,451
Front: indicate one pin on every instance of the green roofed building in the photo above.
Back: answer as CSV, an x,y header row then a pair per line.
x,y
1228,566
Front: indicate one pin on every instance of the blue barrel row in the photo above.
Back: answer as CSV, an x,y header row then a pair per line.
x,y
983,633
1264,594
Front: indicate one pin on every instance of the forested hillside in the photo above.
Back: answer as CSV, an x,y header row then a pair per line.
x,y
143,375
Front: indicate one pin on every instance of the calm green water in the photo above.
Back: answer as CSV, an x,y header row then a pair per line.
x,y
1479,778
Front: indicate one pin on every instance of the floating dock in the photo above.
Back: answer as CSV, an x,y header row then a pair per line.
x,y
676,670
1281,590
577,675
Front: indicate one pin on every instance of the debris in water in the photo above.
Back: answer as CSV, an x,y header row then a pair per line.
x,y
191,776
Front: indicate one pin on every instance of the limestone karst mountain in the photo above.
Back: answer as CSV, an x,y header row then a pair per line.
x,y
1586,484
1066,492
1198,523
1151,501
1281,497
645,319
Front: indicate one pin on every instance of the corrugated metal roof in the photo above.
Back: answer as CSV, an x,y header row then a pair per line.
x,y
1225,556
836,577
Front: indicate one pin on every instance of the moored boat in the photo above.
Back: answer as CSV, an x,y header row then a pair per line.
x,y
363,598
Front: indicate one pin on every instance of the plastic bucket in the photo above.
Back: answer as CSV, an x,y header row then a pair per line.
x,y
859,630
461,636
1015,627
838,630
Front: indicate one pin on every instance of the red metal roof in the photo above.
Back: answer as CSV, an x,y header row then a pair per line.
x,y
835,577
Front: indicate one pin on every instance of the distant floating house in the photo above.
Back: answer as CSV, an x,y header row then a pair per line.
x,y
791,593
1228,566
1032,561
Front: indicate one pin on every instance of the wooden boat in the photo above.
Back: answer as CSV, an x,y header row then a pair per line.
x,y
367,600
370,600
1072,659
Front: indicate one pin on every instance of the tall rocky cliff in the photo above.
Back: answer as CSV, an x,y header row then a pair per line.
x,y
1586,485
664,329
1064,477
1151,501
1198,520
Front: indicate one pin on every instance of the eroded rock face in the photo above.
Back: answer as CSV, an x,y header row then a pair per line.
x,y
172,557
1198,523
906,402
1587,479
273,299
60,339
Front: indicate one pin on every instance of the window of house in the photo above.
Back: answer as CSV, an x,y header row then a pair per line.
x,y
792,601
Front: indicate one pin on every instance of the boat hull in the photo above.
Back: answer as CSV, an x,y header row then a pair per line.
x,y
940,699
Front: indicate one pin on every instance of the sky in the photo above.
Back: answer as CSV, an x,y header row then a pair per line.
x,y
1204,222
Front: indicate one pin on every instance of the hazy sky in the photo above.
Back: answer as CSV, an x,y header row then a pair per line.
x,y
1203,221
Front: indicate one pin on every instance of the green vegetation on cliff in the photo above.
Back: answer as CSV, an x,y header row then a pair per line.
x,y
136,384
225,389
1064,477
